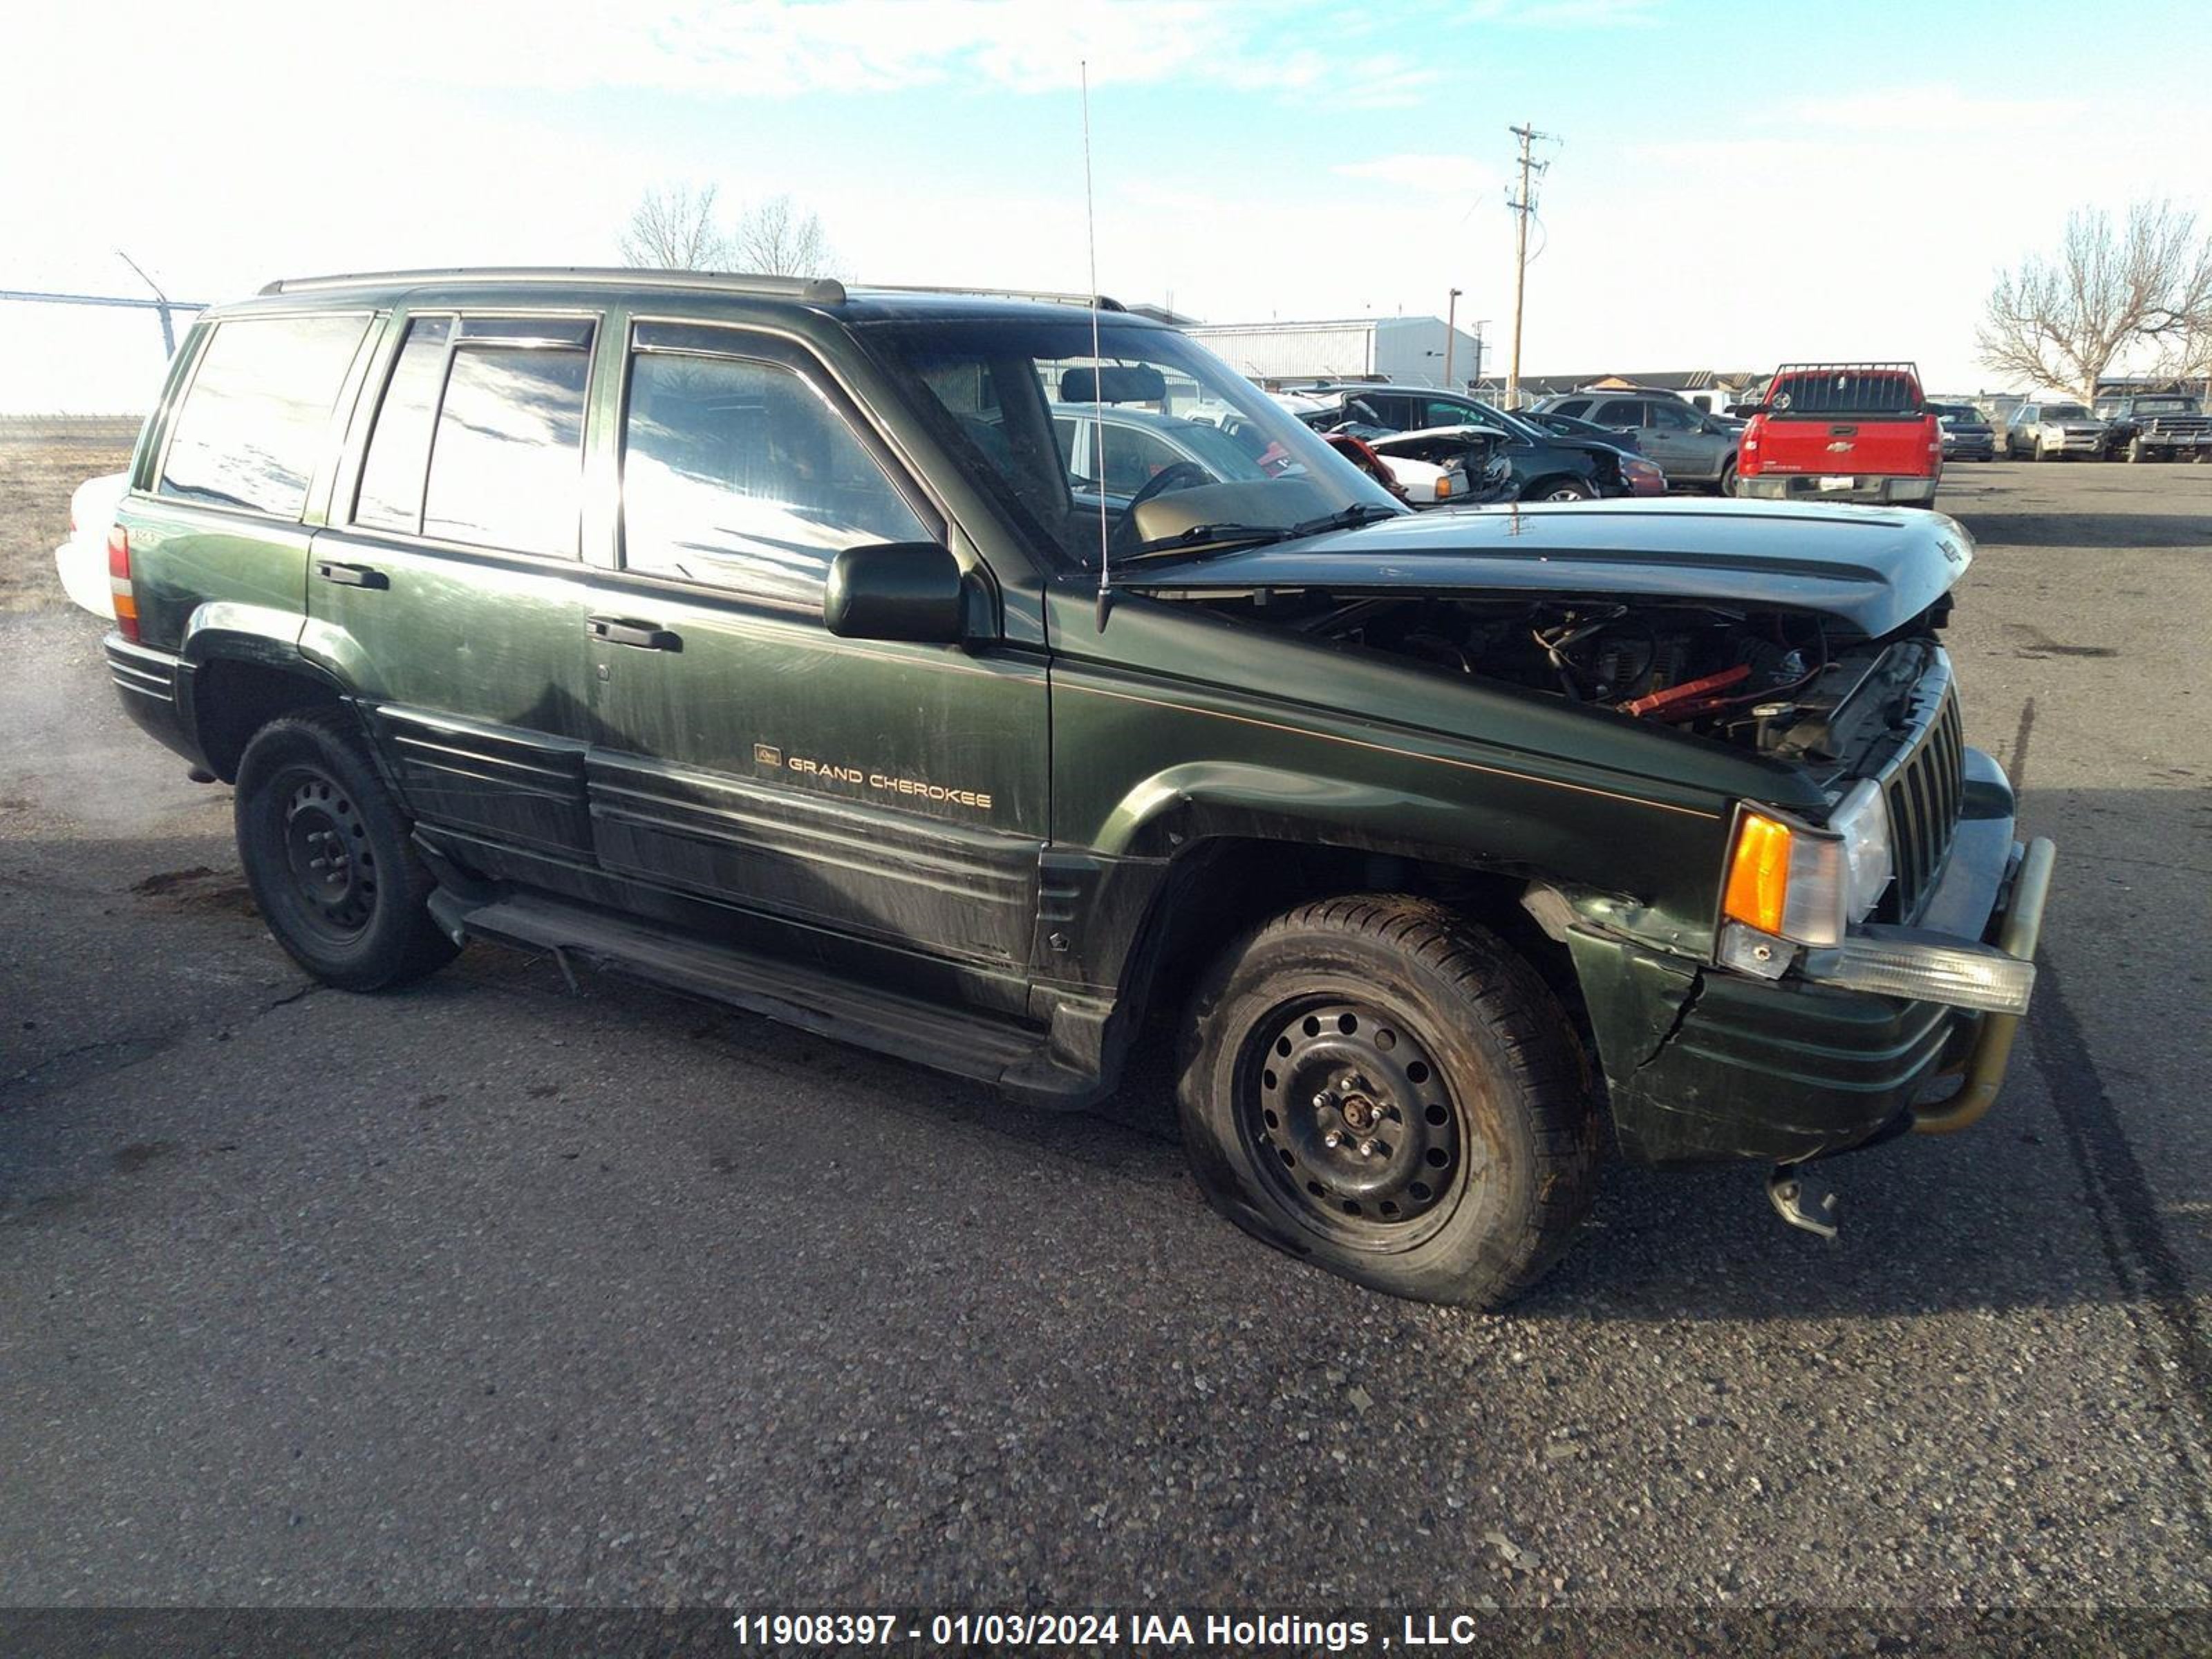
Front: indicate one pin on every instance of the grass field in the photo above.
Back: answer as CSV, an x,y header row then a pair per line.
x,y
41,462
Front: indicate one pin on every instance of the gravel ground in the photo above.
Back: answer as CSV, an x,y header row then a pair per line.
x,y
41,461
487,1293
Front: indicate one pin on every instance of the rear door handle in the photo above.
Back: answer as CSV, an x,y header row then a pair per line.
x,y
644,636
351,576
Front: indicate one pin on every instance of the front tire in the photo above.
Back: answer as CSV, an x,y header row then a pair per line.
x,y
1386,1090
326,854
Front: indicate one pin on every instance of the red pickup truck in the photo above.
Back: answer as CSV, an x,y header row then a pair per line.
x,y
1843,432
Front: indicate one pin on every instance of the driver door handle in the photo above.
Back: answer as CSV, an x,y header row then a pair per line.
x,y
646,636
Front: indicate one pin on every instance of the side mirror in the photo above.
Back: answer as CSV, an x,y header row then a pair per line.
x,y
895,591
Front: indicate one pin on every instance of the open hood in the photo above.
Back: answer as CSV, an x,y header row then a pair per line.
x,y
1873,568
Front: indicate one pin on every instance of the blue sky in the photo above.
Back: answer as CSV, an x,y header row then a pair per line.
x,y
1737,183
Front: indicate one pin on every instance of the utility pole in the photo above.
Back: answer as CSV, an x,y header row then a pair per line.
x,y
1451,331
1522,208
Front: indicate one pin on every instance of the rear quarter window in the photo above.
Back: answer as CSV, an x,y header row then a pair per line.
x,y
255,420
1847,392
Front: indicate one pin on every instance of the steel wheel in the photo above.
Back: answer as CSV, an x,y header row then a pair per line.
x,y
1346,1112
326,851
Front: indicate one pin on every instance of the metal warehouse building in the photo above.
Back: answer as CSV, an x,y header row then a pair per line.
x,y
1406,349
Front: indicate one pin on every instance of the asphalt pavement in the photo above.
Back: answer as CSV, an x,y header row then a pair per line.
x,y
491,1292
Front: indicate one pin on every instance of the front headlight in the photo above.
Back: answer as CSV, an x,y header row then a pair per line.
x,y
1804,885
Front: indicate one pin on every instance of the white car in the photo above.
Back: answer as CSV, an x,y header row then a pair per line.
x,y
1422,482
82,559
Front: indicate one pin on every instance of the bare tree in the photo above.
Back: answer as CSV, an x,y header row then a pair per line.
x,y
674,229
2064,322
776,239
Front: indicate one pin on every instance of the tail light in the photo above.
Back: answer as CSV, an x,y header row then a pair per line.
x,y
118,583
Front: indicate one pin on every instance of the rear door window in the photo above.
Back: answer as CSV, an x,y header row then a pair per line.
x,y
507,455
1621,411
255,423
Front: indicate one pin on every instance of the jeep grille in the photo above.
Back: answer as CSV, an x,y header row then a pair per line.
x,y
1923,793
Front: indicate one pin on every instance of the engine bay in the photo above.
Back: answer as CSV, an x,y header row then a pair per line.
x,y
1792,684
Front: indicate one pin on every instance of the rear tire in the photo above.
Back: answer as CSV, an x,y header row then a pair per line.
x,y
327,855
1559,490
1465,1135
1727,485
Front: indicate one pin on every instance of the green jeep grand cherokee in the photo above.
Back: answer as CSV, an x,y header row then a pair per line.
x,y
762,639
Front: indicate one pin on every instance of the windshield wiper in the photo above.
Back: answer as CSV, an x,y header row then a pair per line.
x,y
1227,538
1221,536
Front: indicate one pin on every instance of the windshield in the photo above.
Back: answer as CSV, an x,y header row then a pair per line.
x,y
1957,414
2065,412
2166,405
1053,431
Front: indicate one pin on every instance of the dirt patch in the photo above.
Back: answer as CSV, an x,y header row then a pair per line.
x,y
42,463
197,890
136,1156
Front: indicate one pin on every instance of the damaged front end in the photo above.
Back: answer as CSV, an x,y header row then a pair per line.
x,y
1705,1064
1865,927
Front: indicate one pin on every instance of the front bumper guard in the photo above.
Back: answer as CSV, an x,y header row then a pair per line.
x,y
1982,1073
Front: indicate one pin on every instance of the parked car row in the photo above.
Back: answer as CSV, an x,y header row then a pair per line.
x,y
2132,427
1691,447
1516,458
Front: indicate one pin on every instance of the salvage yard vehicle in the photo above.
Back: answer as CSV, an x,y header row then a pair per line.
x,y
2164,426
2053,432
1967,434
82,559
1474,456
746,634
1691,447
1842,432
1546,467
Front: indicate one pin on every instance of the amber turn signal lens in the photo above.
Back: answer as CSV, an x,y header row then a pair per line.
x,y
1758,874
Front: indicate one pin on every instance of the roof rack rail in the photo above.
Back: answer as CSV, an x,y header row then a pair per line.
x,y
816,291
1052,296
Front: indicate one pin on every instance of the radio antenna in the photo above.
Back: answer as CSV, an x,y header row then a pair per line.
x,y
1097,366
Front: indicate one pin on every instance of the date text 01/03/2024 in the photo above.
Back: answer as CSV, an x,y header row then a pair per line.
x,y
1212,1631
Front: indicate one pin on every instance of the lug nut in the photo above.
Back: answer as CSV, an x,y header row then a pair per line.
x,y
1323,1101
1332,1140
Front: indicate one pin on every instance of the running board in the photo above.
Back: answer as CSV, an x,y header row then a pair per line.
x,y
946,1039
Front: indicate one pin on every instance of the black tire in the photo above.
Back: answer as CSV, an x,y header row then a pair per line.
x,y
326,854
1561,488
1727,485
1467,1132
